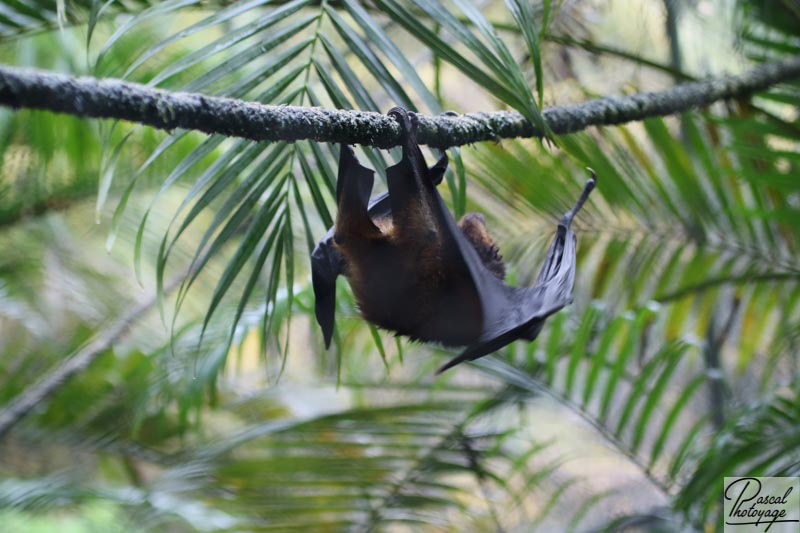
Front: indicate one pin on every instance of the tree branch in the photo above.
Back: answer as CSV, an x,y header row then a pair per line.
x,y
116,99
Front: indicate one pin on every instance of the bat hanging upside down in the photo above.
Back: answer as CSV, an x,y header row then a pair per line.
x,y
416,272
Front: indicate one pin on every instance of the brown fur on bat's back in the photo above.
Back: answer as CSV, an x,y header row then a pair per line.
x,y
401,282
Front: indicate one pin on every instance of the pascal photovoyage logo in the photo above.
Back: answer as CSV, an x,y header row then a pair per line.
x,y
761,504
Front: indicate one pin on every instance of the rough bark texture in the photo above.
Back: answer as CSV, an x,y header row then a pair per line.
x,y
110,98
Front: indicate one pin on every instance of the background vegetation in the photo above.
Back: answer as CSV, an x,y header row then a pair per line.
x,y
221,411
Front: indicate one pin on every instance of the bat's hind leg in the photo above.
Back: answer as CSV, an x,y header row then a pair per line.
x,y
353,188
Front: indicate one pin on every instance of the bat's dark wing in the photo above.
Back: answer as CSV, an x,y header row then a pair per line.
x,y
511,313
506,313
326,262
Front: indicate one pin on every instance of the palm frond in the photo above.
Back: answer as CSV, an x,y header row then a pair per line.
x,y
762,441
687,305
298,63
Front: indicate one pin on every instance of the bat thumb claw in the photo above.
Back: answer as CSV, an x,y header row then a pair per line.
x,y
566,220
592,181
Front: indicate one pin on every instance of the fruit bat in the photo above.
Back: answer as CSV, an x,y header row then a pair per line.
x,y
415,271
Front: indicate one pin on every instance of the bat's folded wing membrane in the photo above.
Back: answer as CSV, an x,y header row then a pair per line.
x,y
511,313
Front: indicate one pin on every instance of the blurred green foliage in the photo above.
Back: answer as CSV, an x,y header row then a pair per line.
x,y
221,411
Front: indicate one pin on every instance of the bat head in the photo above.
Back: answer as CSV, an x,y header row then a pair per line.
x,y
473,226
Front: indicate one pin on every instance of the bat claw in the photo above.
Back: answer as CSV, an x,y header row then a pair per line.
x,y
404,118
592,179
566,220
